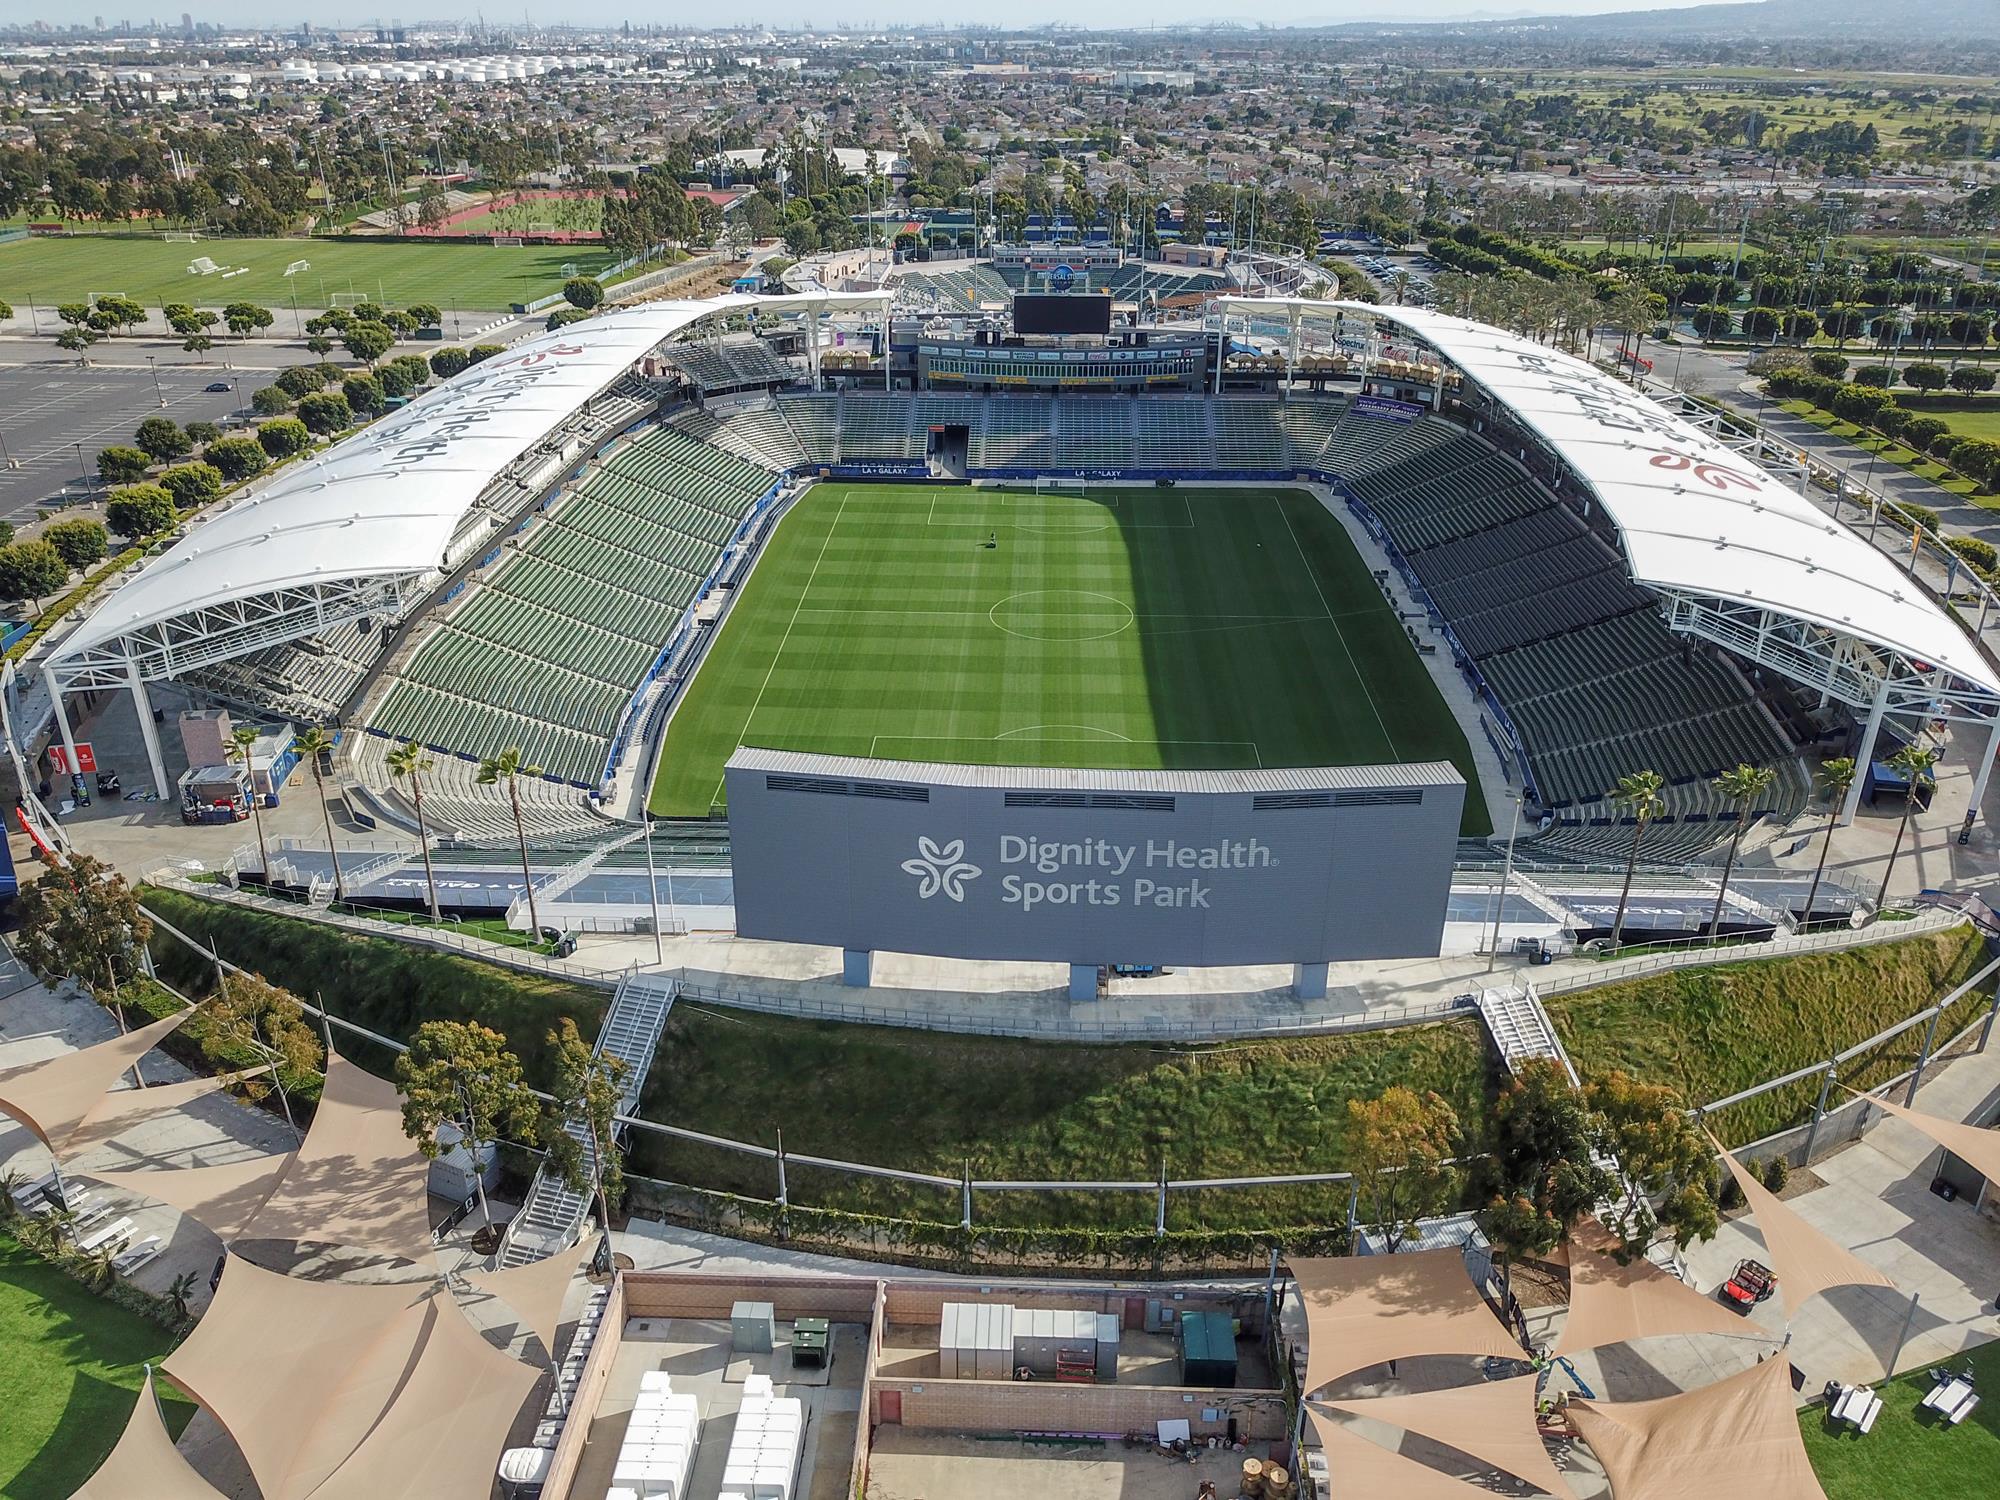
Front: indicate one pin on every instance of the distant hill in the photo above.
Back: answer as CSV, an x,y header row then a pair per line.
x,y
1825,20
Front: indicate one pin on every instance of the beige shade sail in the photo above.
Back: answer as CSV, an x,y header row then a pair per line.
x,y
1360,1470
145,1464
1978,1147
52,1097
1493,1420
273,1355
358,1180
536,1291
448,1425
1739,1436
121,1109
221,1198
1805,1260
1614,1304
1364,1310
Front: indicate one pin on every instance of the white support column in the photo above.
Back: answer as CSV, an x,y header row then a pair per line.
x,y
62,714
1984,773
143,706
812,345
1866,753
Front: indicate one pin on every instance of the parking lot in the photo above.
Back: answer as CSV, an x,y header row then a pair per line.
x,y
56,414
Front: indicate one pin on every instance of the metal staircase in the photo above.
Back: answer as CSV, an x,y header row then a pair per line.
x,y
550,1219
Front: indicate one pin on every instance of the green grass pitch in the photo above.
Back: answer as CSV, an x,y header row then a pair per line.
x,y
1129,628
483,277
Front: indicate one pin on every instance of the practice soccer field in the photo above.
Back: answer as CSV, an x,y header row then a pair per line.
x,y
488,278
1129,628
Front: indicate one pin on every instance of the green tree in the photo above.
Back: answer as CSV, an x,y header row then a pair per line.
x,y
284,436
1970,379
140,510
446,363
162,439
586,1090
197,344
119,464
1835,777
1743,785
1399,1147
363,393
1913,762
270,401
299,381
192,485
426,314
31,571
508,767
246,318
1540,1175
1926,377
368,342
202,433
1646,1130
249,1013
81,918
460,1073
1638,796
236,457
242,741
409,762
77,341
313,745
583,292
326,413
79,542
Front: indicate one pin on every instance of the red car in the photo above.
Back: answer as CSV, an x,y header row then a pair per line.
x,y
1750,1283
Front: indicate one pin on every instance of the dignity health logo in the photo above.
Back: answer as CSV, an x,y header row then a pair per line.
x,y
945,869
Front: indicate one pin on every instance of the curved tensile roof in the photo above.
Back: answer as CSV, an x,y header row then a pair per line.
x,y
1694,516
385,502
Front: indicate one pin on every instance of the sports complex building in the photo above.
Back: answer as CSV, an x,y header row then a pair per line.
x,y
994,624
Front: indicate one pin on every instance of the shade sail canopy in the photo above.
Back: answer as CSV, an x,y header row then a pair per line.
x,y
1614,1304
1361,1470
1739,1436
357,1180
54,1096
1805,1260
121,1109
277,1359
221,1198
536,1291
448,1423
145,1461
1364,1310
1493,1420
385,502
1979,1148
1693,515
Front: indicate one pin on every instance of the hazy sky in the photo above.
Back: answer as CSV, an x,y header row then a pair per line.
x,y
827,15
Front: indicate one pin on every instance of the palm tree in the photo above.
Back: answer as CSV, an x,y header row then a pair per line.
x,y
1639,795
241,738
179,1290
314,743
507,767
409,760
1745,784
1835,777
1914,762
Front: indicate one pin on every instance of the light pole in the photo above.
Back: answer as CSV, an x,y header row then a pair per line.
x,y
83,470
152,365
1506,877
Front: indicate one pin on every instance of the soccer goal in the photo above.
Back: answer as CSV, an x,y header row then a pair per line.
x,y
179,236
1074,488
508,242
347,299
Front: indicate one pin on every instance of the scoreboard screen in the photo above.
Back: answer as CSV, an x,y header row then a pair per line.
x,y
1073,312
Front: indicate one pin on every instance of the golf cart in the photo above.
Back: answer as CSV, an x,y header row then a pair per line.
x,y
1750,1283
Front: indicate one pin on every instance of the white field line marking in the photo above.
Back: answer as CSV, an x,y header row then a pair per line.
x,y
1338,632
785,640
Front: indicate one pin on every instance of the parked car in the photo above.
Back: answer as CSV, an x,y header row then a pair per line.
x,y
1750,1283
217,387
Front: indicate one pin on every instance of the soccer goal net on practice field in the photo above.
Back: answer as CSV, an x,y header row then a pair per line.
x,y
507,242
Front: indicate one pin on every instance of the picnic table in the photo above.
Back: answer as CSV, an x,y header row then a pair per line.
x,y
1952,1398
1858,1406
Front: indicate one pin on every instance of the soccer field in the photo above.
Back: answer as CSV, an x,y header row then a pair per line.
x,y
1130,628
482,277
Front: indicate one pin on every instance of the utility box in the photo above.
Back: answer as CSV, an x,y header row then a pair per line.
x,y
1206,1344
752,1327
205,736
1107,1347
1051,1341
809,1343
976,1341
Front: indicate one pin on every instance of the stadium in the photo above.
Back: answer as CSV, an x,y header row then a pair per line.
x,y
1071,543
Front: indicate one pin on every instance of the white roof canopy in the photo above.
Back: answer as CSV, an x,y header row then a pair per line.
x,y
1694,516
384,503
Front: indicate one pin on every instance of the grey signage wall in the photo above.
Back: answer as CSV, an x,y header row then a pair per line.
x,y
1197,868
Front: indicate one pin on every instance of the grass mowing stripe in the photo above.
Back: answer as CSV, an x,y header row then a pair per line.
x,y
910,620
